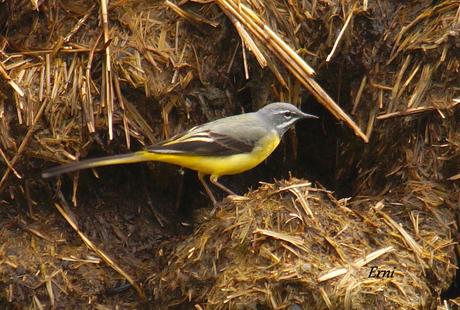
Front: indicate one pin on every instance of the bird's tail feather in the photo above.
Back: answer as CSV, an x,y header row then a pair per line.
x,y
96,162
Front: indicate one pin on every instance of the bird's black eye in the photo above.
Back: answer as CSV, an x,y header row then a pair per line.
x,y
287,114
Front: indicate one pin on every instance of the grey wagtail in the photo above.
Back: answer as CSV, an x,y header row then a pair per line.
x,y
226,146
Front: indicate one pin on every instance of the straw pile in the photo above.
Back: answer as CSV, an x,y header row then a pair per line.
x,y
294,244
102,79
83,78
78,78
408,101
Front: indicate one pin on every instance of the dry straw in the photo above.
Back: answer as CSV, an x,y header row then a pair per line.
x,y
267,251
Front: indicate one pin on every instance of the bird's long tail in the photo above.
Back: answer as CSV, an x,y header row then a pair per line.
x,y
97,162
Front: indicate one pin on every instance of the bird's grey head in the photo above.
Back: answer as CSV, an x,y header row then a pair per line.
x,y
282,115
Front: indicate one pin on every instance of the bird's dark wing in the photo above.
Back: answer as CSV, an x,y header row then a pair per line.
x,y
227,136
205,143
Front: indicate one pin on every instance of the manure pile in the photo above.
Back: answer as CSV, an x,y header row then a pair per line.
x,y
370,217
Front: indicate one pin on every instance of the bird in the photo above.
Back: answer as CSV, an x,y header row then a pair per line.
x,y
226,146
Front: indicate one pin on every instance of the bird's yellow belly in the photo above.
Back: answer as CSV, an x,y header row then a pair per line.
x,y
223,165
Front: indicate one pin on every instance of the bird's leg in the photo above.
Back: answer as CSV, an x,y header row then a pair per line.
x,y
214,179
206,187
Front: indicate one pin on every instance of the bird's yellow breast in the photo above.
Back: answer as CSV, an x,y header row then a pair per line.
x,y
223,165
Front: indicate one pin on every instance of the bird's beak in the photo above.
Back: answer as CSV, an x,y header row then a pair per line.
x,y
306,115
